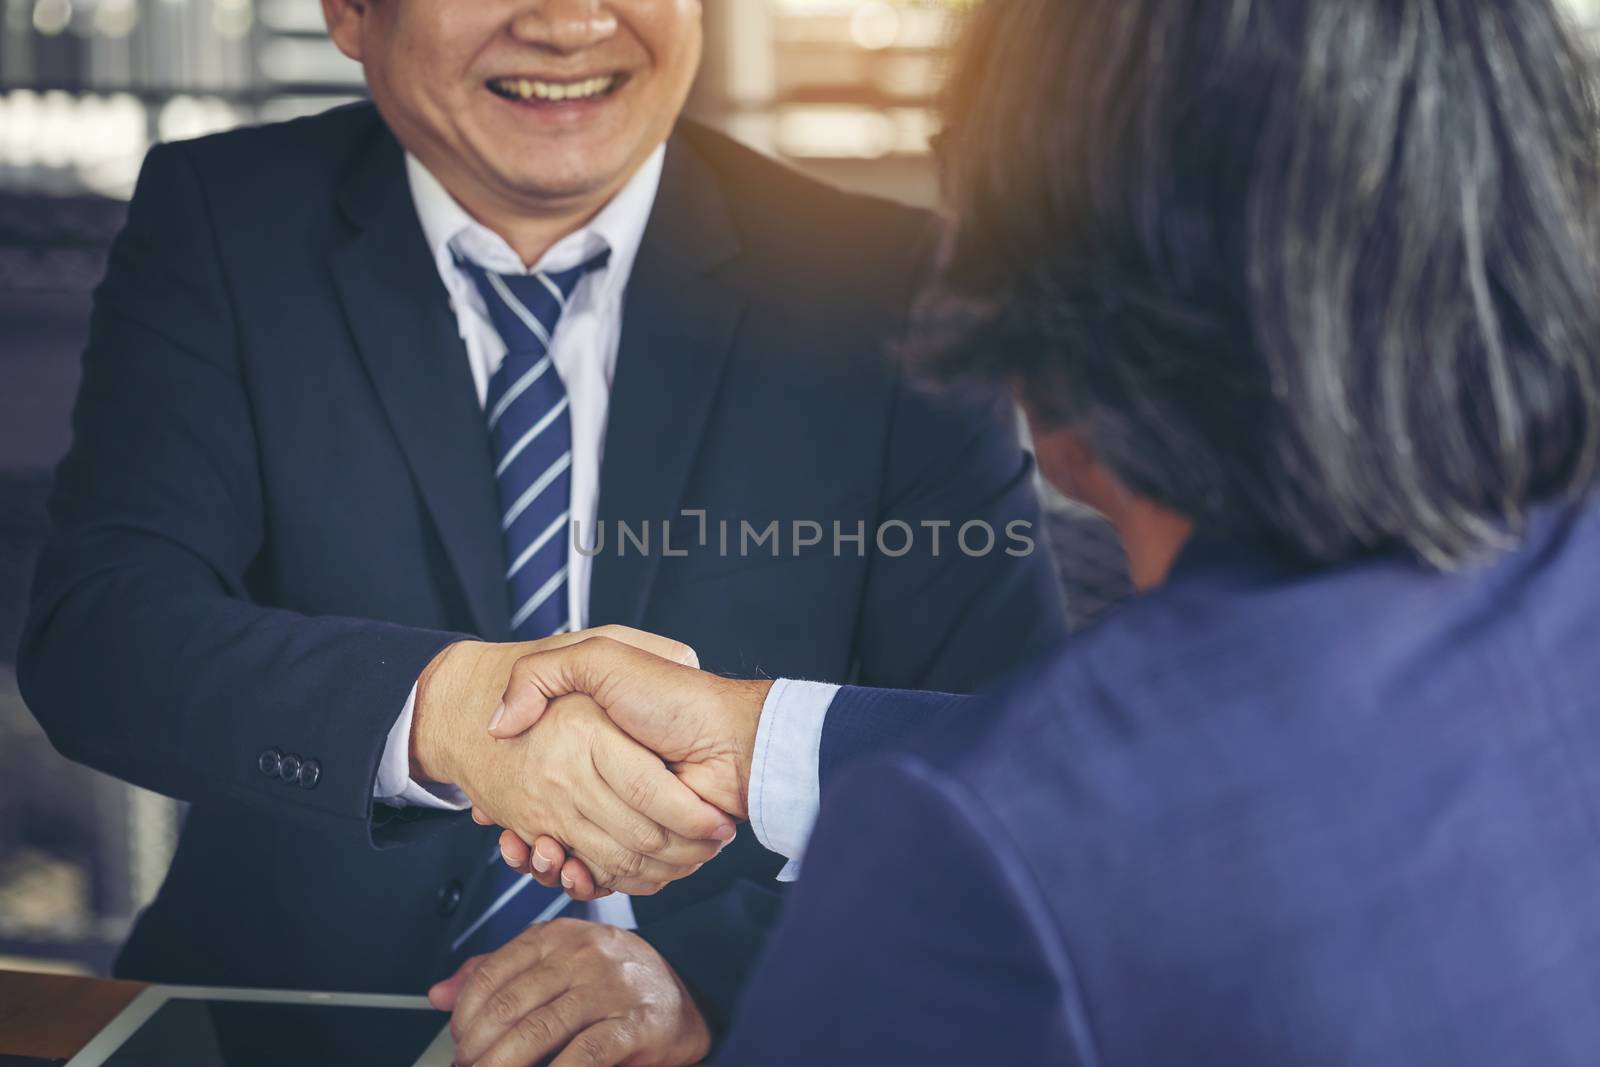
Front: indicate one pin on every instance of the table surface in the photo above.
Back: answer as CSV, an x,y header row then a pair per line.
x,y
52,1016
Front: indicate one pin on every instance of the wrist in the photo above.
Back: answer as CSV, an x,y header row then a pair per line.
x,y
439,690
742,705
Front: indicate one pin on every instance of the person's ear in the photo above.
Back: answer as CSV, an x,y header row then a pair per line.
x,y
1068,462
346,19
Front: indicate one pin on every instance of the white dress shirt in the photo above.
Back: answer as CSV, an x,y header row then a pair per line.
x,y
584,351
784,791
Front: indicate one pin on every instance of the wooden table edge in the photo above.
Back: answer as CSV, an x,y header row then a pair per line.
x,y
53,1016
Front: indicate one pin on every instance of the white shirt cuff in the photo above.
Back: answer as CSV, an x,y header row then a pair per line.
x,y
395,785
785,789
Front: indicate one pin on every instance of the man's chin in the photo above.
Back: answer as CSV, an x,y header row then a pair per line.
x,y
551,184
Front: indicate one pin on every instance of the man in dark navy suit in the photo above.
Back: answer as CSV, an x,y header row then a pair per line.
x,y
1303,297
351,382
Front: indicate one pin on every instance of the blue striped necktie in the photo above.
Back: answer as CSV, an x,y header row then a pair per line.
x,y
531,431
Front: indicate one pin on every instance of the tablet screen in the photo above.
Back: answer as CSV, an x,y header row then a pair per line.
x,y
224,1033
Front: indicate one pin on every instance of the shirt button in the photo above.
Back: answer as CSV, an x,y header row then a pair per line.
x,y
449,897
268,762
289,768
310,774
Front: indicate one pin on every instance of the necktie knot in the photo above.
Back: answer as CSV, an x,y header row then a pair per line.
x,y
525,308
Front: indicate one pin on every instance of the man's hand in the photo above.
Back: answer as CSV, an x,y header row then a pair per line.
x,y
601,994
578,777
704,726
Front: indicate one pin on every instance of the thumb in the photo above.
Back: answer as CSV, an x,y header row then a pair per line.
x,y
444,994
627,681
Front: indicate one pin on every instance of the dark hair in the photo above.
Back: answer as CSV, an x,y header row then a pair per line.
x,y
1322,274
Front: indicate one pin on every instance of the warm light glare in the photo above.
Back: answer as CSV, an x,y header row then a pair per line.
x,y
875,25
836,132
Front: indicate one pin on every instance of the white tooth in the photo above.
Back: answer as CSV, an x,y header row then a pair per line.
x,y
541,90
524,88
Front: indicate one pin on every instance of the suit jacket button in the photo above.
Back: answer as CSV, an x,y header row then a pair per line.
x,y
289,768
449,897
269,761
310,774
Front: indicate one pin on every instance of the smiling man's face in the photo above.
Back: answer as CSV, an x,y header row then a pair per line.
x,y
525,105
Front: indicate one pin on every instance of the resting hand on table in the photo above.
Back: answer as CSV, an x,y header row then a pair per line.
x,y
576,776
596,994
702,725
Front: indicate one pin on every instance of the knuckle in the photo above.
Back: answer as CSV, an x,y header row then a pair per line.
x,y
626,1036
642,791
627,864
503,1007
482,981
601,644
563,926
591,1048
649,838
536,1029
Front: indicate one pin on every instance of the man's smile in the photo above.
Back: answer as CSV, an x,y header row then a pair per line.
x,y
546,91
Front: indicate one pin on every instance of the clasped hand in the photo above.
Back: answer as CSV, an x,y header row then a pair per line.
x,y
558,765
702,725
620,759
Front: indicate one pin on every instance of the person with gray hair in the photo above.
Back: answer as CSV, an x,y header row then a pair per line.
x,y
1303,297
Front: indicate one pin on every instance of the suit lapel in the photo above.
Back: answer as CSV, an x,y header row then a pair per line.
x,y
677,331
400,317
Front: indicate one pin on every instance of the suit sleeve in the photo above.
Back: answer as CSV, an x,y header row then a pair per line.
x,y
144,655
864,721
796,757
882,956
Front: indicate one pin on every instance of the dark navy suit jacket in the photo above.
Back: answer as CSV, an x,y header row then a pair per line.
x,y
279,505
1258,817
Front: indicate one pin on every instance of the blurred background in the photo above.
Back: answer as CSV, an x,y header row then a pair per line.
x,y
838,88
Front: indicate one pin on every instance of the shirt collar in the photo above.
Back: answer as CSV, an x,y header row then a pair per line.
x,y
619,227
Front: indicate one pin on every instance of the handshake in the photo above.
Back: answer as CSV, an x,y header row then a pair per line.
x,y
611,761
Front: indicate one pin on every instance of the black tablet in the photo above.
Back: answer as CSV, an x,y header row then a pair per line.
x,y
198,1027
